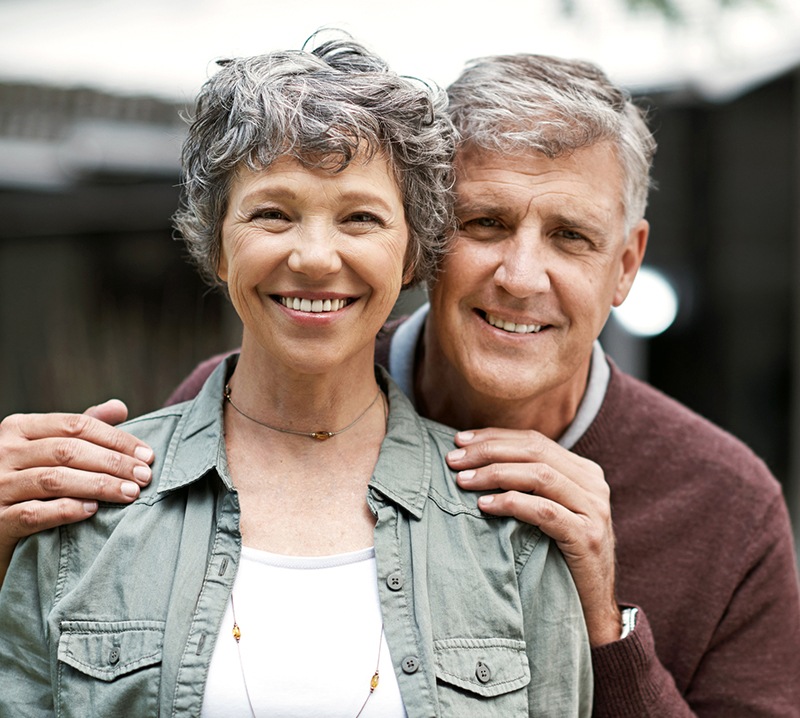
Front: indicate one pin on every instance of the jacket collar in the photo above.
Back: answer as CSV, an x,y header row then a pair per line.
x,y
402,473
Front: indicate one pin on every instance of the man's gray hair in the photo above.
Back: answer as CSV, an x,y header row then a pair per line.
x,y
325,107
513,103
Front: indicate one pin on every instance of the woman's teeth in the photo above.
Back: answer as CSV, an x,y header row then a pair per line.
x,y
314,305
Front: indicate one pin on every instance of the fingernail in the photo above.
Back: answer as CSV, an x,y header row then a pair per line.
x,y
90,506
143,453
130,489
485,500
465,436
142,473
457,454
467,475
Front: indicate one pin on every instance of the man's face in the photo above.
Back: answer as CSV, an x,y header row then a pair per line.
x,y
541,257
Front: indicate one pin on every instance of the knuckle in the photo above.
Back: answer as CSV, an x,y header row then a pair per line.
x,y
509,501
595,540
103,486
11,427
481,452
8,422
51,480
604,513
545,475
64,452
535,443
76,424
548,512
114,464
29,518
492,474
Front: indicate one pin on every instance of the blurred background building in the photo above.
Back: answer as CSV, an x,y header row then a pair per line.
x,y
96,298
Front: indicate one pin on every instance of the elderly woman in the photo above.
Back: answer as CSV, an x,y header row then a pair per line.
x,y
303,549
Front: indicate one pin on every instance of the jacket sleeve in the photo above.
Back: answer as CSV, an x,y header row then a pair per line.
x,y
557,642
26,678
752,663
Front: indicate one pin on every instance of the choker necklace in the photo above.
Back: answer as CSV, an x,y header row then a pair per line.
x,y
318,435
237,634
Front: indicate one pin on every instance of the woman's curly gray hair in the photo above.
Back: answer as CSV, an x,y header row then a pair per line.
x,y
324,107
513,103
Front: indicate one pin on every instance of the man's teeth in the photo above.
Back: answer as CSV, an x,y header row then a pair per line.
x,y
314,305
511,327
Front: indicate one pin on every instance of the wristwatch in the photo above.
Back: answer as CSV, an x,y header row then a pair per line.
x,y
628,621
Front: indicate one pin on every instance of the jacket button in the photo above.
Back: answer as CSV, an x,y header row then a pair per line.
x,y
410,664
395,581
113,656
483,672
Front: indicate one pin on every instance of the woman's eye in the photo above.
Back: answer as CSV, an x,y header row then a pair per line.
x,y
363,218
269,214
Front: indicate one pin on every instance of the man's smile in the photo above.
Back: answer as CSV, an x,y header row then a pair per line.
x,y
512,327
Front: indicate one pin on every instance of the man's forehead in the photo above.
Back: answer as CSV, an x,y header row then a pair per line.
x,y
590,174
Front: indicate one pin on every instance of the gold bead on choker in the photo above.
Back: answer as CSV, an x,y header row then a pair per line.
x,y
318,435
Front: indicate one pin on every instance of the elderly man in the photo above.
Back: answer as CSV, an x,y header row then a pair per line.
x,y
691,596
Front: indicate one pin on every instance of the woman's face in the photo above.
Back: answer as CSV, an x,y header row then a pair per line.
x,y
314,260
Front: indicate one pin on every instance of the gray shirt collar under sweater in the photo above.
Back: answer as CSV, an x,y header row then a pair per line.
x,y
401,367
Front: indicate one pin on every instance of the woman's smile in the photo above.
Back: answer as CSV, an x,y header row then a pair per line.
x,y
314,260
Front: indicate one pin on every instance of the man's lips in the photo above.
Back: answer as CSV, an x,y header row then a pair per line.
x,y
315,306
512,327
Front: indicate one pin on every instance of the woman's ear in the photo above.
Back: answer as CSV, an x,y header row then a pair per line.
x,y
409,275
222,266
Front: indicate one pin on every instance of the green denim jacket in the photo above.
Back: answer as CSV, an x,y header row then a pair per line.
x,y
118,615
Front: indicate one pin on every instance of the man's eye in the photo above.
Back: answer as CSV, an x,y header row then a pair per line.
x,y
487,222
479,225
570,234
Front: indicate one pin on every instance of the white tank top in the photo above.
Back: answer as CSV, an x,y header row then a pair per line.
x,y
310,628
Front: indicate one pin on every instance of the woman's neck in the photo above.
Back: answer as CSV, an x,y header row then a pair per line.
x,y
298,495
287,397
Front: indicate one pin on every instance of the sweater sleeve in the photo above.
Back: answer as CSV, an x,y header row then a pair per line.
x,y
191,385
752,663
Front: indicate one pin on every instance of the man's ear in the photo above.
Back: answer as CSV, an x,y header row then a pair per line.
x,y
631,260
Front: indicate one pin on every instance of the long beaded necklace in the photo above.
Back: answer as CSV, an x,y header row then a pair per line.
x,y
237,634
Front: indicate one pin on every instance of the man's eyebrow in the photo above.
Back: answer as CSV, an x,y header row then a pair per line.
x,y
480,206
590,225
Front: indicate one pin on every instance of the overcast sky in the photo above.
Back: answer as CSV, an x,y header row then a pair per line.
x,y
165,47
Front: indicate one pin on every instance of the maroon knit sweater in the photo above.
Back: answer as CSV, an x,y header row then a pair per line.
x,y
704,549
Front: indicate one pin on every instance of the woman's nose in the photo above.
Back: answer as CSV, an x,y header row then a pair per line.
x,y
315,253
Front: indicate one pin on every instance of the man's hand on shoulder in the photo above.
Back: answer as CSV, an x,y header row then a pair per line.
x,y
562,493
54,468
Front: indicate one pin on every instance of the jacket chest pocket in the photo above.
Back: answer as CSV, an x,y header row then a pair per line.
x,y
482,677
109,668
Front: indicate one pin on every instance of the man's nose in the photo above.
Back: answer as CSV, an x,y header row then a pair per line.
x,y
315,253
523,268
